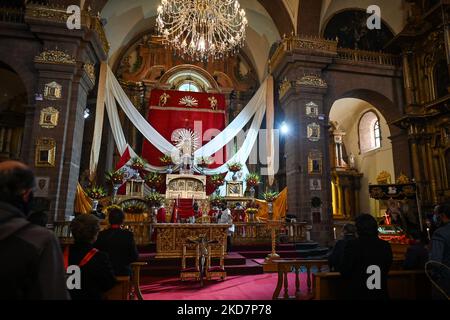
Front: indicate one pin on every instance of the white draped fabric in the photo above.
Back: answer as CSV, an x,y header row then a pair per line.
x,y
255,109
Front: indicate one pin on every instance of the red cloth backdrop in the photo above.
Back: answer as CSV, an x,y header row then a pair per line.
x,y
167,116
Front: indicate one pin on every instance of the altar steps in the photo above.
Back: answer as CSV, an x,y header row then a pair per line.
x,y
235,264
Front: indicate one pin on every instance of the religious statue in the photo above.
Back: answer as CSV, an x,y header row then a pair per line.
x,y
213,103
163,99
187,142
351,161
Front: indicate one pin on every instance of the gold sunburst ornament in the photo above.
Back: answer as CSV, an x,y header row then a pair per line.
x,y
188,101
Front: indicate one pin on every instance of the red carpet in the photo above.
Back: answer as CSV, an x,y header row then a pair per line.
x,y
255,287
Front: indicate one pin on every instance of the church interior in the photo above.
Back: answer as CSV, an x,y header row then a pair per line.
x,y
239,138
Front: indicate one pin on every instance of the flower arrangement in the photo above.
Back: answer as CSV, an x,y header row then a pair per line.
x,y
154,199
166,160
138,163
253,179
134,208
115,177
217,180
153,179
270,196
235,166
216,201
96,192
204,162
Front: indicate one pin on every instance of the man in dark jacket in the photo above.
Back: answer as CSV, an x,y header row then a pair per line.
x,y
31,264
336,256
440,253
366,262
97,276
119,244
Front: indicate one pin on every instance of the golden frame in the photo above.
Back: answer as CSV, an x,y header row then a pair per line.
x,y
49,118
315,163
235,189
313,132
53,91
45,154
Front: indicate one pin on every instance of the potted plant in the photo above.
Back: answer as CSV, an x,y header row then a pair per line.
x,y
234,167
153,180
217,180
252,180
270,197
154,199
251,211
116,178
95,193
138,164
216,201
167,161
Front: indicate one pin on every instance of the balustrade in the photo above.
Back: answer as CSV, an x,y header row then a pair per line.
x,y
245,232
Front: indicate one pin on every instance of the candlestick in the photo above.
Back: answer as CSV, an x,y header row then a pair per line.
x,y
334,232
428,232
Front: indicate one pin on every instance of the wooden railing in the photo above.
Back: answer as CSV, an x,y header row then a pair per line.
x,y
371,57
245,232
254,232
286,266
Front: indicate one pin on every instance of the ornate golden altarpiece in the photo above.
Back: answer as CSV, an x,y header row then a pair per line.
x,y
184,186
170,238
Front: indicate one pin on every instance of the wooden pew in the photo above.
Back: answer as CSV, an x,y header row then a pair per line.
x,y
127,287
121,291
402,285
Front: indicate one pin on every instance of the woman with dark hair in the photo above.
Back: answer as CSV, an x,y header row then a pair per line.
x,y
363,257
118,243
97,275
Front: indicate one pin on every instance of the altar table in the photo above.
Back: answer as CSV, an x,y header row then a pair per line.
x,y
170,238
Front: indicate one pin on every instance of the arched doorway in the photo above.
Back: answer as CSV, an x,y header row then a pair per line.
x,y
360,150
13,99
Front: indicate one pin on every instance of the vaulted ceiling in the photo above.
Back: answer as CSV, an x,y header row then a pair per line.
x,y
269,20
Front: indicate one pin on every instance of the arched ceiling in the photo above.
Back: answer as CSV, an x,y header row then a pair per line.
x,y
393,12
268,20
126,19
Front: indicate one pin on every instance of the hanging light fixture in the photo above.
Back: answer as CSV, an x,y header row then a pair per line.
x,y
202,29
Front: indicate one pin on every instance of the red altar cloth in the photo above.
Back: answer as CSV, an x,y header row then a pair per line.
x,y
170,110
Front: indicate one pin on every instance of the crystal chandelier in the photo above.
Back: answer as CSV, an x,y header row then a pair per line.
x,y
202,29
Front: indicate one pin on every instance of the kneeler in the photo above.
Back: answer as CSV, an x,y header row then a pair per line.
x,y
216,271
190,272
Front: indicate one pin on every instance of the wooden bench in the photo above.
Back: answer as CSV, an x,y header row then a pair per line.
x,y
127,288
402,285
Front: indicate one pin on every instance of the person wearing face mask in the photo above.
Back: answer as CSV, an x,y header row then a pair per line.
x,y
31,259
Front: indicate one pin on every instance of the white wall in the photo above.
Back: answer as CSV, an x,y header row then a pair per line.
x,y
347,113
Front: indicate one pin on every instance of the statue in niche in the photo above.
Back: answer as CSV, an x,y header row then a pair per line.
x,y
351,161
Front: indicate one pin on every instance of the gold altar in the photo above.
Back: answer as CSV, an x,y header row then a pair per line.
x,y
170,238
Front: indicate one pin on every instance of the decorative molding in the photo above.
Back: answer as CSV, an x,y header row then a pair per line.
x,y
55,57
313,131
49,118
89,68
312,81
45,154
52,91
284,88
312,110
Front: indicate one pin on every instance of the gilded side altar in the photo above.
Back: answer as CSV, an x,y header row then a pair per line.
x,y
170,238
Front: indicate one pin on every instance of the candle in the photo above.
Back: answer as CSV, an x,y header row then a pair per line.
x,y
334,232
428,232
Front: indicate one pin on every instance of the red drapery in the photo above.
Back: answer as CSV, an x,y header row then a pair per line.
x,y
170,110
